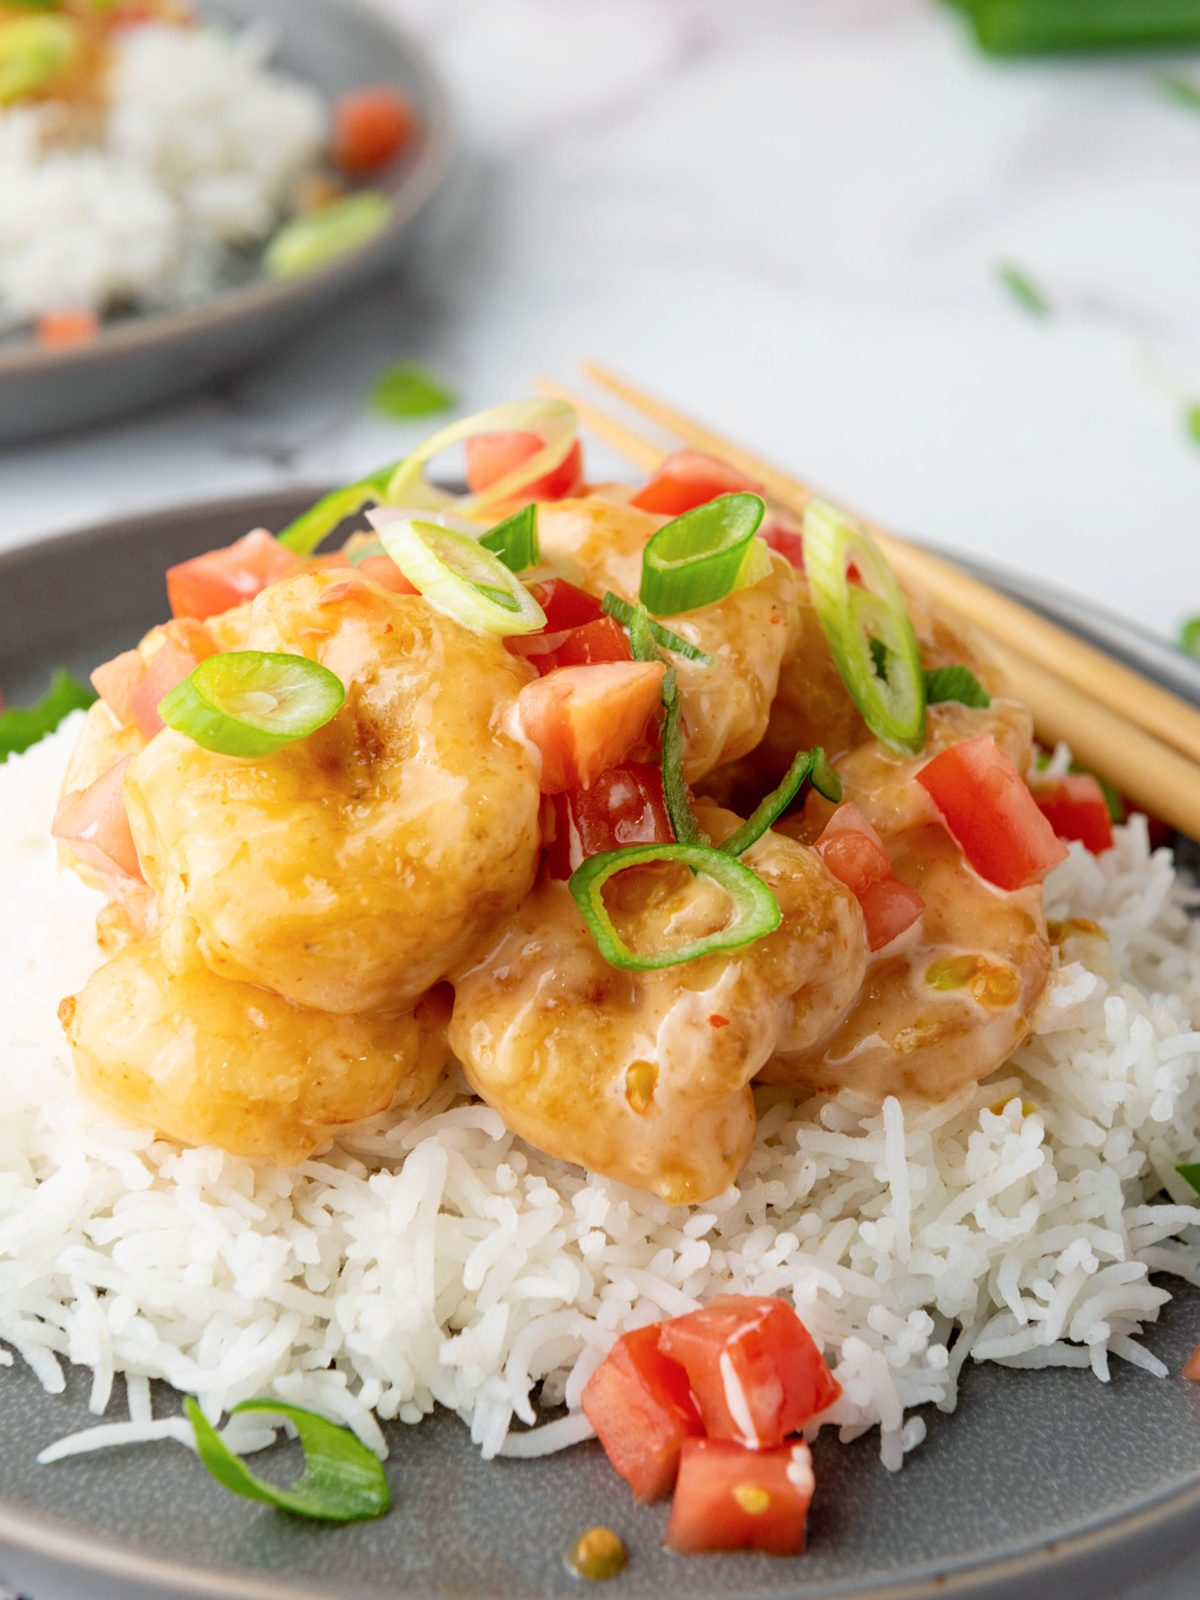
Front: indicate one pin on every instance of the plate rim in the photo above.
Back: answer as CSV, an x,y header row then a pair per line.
x,y
40,1534
408,192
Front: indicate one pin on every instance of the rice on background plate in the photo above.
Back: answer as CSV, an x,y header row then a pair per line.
x,y
197,159
434,1257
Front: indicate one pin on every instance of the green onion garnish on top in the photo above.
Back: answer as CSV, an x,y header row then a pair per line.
x,y
461,579
318,237
343,1481
621,611
675,790
310,527
810,764
755,910
867,626
1190,1173
955,683
515,540
252,702
24,726
703,555
1020,27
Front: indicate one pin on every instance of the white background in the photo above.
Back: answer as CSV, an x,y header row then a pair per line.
x,y
787,216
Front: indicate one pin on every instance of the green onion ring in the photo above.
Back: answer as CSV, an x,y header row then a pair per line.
x,y
317,237
809,764
343,1480
515,540
757,910
865,624
675,790
461,579
621,611
310,527
252,702
700,557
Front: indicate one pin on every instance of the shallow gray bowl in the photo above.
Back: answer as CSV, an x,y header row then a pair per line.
x,y
1045,1485
333,45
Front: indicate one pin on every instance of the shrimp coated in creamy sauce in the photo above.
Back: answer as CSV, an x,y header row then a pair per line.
x,y
644,1076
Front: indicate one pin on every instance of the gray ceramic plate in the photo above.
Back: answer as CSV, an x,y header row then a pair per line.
x,y
1045,1484
334,45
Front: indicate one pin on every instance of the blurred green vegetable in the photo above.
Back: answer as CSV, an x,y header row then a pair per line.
x,y
1192,418
1023,290
1026,27
32,51
1180,89
319,236
23,726
410,390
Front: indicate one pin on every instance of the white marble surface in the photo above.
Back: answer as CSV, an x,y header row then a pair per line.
x,y
785,214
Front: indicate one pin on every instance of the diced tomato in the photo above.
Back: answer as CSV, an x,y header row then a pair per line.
x,y
58,330
857,857
185,644
784,539
565,605
117,680
688,479
853,851
490,456
1191,1367
603,640
587,719
625,805
642,1409
94,824
370,128
384,571
731,1498
753,1366
987,806
221,579
1075,808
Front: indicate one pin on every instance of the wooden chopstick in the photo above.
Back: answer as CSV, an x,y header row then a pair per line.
x,y
1114,685
1152,772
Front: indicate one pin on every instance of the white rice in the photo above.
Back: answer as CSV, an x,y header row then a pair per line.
x,y
198,156
436,1258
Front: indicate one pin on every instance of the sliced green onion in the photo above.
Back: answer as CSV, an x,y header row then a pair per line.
x,y
955,683
678,798
701,556
1023,290
251,702
621,611
33,50
809,764
1176,86
343,1481
311,526
1190,1173
515,540
320,236
460,578
1189,637
552,420
756,910
858,619
409,390
1020,27
24,726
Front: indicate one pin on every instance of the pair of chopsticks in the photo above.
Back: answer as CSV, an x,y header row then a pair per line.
x,y
1141,737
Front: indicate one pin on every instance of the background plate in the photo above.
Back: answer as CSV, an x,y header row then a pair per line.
x,y
334,45
1047,1485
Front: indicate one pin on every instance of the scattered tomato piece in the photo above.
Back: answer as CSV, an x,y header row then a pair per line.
x,y
588,646
94,824
640,1405
784,539
1075,808
587,719
688,479
491,455
987,806
221,579
565,604
370,128
625,805
384,571
184,645
116,682
857,857
1191,1367
58,330
731,1498
754,1369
